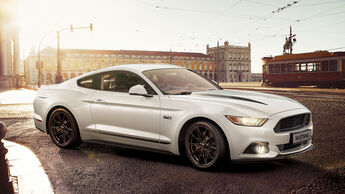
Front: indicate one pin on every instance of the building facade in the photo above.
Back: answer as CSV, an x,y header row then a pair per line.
x,y
234,62
11,71
76,62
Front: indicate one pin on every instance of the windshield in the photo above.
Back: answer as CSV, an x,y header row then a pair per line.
x,y
179,81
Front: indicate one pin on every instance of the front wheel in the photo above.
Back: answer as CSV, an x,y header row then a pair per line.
x,y
63,129
205,145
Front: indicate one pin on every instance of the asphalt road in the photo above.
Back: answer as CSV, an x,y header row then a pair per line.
x,y
94,168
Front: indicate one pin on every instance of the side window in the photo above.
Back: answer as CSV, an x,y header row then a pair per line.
x,y
108,81
125,80
91,82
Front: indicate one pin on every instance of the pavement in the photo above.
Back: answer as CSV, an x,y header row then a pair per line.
x,y
23,168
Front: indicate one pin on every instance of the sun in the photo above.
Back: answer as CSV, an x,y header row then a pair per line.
x,y
36,18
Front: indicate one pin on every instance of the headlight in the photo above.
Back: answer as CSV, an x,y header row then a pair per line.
x,y
244,121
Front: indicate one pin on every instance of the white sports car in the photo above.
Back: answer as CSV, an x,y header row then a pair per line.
x,y
172,109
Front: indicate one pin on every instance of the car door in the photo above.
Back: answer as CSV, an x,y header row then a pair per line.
x,y
123,118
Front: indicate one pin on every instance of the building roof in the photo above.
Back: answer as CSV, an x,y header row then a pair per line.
x,y
135,52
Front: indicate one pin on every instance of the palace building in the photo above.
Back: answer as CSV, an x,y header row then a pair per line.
x,y
76,62
234,62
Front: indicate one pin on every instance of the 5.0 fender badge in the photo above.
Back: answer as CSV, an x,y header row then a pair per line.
x,y
167,117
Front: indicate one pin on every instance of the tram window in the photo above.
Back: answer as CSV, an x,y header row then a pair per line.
x,y
277,68
303,67
324,66
290,67
333,65
310,67
296,68
284,68
317,66
271,70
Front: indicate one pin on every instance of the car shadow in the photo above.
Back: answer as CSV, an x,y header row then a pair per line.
x,y
230,167
132,153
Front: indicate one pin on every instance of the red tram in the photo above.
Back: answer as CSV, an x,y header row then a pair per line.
x,y
322,69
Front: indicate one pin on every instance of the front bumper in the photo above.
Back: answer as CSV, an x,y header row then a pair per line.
x,y
279,144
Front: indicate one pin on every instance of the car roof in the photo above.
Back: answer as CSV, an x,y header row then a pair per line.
x,y
140,67
136,68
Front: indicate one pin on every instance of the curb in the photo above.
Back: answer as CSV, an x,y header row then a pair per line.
x,y
26,172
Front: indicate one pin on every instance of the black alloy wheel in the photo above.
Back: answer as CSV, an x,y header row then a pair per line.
x,y
63,129
205,145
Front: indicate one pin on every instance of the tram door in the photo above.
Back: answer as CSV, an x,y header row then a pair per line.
x,y
264,72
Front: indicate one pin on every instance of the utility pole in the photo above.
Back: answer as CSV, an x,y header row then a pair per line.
x,y
58,78
170,57
218,66
291,39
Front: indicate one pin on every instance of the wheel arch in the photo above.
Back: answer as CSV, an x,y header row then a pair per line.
x,y
190,122
52,110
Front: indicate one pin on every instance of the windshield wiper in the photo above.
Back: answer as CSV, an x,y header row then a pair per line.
x,y
183,93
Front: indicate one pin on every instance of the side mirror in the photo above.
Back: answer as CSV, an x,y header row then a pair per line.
x,y
214,81
139,90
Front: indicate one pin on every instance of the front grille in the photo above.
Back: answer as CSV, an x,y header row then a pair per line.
x,y
283,147
292,123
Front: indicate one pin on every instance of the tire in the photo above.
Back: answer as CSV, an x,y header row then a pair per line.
x,y
205,145
63,129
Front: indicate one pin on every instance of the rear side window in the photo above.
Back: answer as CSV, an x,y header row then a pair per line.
x,y
91,82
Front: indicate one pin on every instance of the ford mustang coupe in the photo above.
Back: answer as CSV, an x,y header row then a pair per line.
x,y
172,109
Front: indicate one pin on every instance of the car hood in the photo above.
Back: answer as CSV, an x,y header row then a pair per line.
x,y
254,104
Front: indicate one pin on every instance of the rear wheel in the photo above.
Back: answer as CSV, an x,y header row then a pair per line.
x,y
63,129
205,145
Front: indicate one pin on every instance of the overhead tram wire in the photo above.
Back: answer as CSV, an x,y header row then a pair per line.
x,y
250,17
261,3
320,3
335,48
320,13
315,15
273,13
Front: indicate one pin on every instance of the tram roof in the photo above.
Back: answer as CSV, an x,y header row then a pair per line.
x,y
311,55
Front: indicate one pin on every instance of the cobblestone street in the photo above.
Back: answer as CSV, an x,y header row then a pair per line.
x,y
94,168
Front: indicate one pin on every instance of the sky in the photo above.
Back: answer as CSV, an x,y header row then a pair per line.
x,y
184,25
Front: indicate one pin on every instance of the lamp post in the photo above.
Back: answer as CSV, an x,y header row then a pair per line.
x,y
59,78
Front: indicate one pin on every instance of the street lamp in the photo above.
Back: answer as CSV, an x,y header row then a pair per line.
x,y
59,78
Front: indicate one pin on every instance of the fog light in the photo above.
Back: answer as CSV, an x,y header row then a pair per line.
x,y
257,148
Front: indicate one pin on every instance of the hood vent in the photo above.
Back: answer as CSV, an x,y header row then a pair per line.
x,y
235,97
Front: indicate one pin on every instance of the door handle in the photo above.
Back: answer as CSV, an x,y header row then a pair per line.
x,y
99,100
